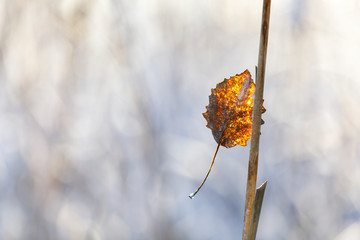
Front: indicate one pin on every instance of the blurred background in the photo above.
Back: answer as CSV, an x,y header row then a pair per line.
x,y
101,132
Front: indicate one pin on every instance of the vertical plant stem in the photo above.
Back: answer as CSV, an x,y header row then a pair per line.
x,y
255,132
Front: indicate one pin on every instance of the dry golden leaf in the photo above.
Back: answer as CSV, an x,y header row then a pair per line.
x,y
229,113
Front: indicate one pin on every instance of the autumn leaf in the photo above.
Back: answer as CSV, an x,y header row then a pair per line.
x,y
229,113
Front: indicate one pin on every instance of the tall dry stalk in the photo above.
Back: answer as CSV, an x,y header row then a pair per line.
x,y
255,133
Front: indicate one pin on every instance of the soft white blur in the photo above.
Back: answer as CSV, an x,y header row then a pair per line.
x,y
101,132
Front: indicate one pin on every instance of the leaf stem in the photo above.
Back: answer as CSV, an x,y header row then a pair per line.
x,y
255,132
212,163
